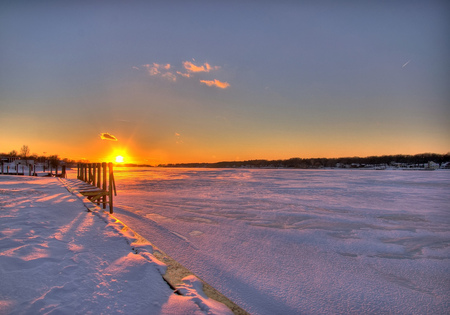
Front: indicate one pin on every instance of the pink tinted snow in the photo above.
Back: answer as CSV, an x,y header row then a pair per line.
x,y
279,241
57,257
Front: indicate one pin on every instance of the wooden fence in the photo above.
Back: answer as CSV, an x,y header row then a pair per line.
x,y
31,170
99,178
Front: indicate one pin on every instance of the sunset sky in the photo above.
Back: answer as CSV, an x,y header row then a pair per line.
x,y
207,81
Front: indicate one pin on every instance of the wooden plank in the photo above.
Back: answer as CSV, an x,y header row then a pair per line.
x,y
91,190
95,198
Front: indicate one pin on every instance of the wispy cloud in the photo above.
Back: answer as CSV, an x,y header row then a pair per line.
x,y
178,139
189,70
162,70
107,136
206,67
186,75
169,76
217,83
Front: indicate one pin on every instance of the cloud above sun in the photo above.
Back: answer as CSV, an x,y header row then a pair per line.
x,y
107,136
189,71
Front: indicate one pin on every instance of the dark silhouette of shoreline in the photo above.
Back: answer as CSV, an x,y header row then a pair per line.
x,y
400,161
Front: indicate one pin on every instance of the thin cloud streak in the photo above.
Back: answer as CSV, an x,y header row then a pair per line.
x,y
217,83
186,75
406,63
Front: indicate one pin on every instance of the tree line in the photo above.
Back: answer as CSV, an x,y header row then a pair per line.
x,y
313,163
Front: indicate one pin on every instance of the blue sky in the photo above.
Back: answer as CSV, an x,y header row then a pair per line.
x,y
280,79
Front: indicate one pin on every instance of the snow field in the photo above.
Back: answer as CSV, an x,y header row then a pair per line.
x,y
299,241
57,258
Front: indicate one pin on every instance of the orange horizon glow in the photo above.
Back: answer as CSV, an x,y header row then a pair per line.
x,y
135,150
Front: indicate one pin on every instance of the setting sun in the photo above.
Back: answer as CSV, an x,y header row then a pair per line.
x,y
119,159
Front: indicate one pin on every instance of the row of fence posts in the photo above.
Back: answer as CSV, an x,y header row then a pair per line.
x,y
63,171
31,170
99,175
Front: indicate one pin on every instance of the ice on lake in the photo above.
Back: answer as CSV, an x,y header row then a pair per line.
x,y
301,241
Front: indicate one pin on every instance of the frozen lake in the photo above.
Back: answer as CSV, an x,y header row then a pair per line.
x,y
301,241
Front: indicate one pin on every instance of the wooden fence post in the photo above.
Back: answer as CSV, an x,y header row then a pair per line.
x,y
94,174
103,186
110,192
99,175
99,179
104,183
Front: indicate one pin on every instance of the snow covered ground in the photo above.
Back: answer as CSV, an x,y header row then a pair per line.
x,y
301,241
57,258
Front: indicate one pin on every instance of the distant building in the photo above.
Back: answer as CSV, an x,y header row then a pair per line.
x,y
8,158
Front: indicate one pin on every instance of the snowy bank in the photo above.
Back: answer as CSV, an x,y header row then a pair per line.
x,y
56,257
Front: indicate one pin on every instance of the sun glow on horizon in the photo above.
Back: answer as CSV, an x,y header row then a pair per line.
x,y
119,159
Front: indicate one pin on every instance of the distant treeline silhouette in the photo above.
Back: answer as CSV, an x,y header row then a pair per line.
x,y
418,159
